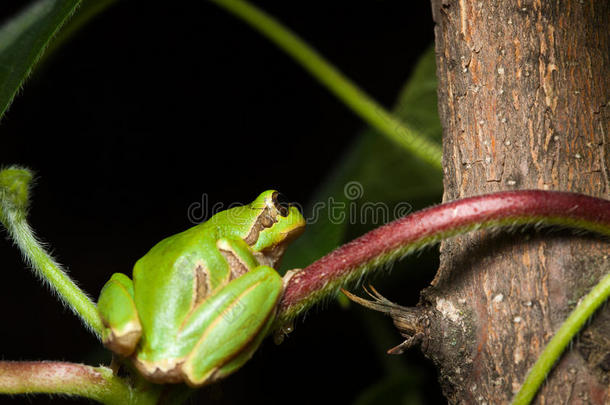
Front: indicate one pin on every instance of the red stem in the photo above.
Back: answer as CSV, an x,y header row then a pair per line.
x,y
437,222
21,377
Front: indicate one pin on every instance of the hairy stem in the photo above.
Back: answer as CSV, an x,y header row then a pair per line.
x,y
329,76
366,254
570,327
39,377
14,191
353,260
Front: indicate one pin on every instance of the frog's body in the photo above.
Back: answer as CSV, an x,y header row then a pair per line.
x,y
202,301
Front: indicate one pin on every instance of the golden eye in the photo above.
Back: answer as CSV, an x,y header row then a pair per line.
x,y
281,204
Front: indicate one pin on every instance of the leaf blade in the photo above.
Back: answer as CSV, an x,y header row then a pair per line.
x,y
23,40
386,173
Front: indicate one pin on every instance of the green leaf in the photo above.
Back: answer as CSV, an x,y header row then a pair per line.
x,y
378,172
87,11
23,40
403,134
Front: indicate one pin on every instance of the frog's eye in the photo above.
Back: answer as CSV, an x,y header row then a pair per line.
x,y
281,204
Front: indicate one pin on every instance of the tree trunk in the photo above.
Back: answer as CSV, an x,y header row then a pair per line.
x,y
523,99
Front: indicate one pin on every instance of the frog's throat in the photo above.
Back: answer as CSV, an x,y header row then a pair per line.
x,y
273,255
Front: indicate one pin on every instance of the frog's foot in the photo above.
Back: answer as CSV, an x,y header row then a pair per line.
x,y
122,342
122,328
228,327
287,276
167,371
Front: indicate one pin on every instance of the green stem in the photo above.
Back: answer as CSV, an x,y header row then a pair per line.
x,y
14,190
571,326
363,105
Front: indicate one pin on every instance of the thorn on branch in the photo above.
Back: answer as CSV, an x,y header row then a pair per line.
x,y
411,322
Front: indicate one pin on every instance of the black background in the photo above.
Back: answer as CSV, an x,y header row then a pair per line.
x,y
154,104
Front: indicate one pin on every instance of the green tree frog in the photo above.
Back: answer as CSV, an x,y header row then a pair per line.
x,y
202,301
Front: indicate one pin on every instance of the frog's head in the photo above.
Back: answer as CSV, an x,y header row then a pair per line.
x,y
276,224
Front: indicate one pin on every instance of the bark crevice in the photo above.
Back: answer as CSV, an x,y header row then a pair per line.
x,y
520,90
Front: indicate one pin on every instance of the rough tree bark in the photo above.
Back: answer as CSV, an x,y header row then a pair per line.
x,y
523,97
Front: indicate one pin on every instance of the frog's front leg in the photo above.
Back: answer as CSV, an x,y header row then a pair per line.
x,y
238,255
117,308
226,329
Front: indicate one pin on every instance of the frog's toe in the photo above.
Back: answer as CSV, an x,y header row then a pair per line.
x,y
122,342
167,371
118,312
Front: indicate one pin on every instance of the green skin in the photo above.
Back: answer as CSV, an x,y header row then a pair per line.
x,y
202,301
